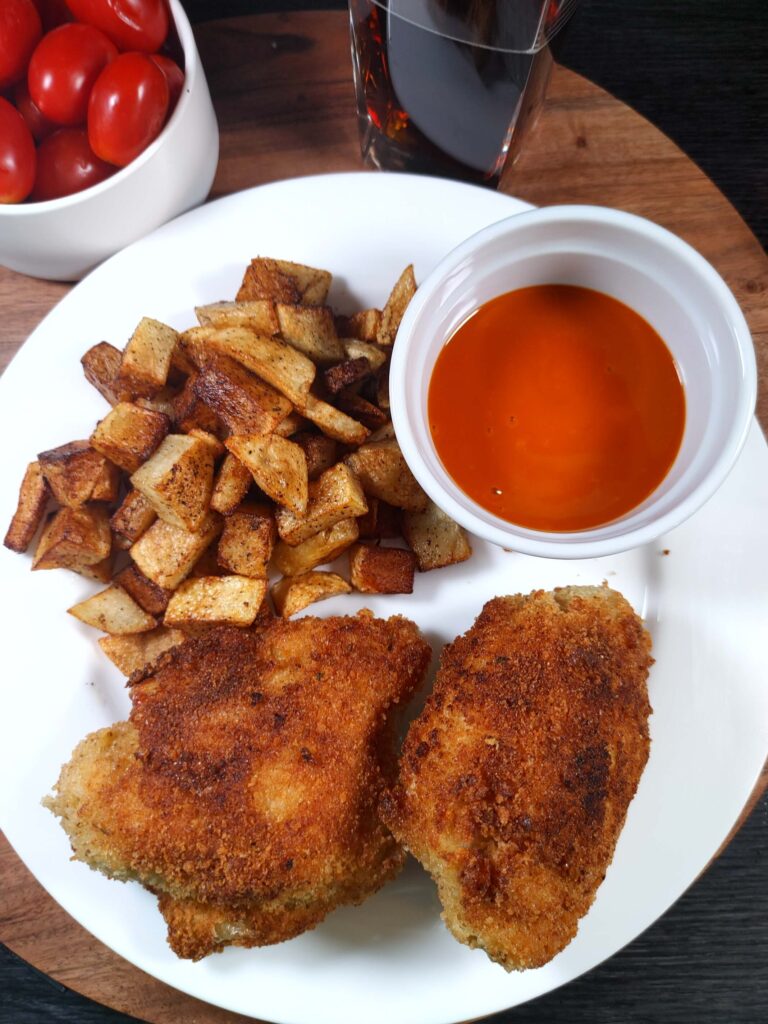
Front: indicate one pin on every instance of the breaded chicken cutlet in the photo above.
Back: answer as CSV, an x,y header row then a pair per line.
x,y
516,778
244,788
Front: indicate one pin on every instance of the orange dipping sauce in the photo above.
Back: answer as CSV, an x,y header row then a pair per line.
x,y
556,408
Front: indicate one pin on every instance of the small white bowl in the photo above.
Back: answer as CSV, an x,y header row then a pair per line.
x,y
64,238
644,266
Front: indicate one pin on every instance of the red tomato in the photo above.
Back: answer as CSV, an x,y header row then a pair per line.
x,y
20,29
17,155
67,164
39,126
64,67
173,75
130,24
127,108
52,13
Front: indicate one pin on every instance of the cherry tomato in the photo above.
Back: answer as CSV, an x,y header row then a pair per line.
x,y
64,67
20,29
52,13
173,75
127,108
17,155
131,24
39,125
67,164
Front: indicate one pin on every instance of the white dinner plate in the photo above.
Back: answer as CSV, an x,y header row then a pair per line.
x,y
702,589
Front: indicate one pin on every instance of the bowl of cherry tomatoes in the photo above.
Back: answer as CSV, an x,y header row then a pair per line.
x,y
106,129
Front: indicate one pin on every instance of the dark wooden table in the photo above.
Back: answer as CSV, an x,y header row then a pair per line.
x,y
697,71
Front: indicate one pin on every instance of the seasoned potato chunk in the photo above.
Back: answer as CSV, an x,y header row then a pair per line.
x,y
283,281
258,314
363,326
113,611
397,302
375,570
215,446
146,358
246,543
145,592
275,361
73,538
75,471
436,539
177,481
333,422
295,593
311,330
129,434
335,495
132,519
321,452
99,571
167,554
384,474
356,349
380,521
243,402
290,425
231,485
345,374
216,600
134,652
323,547
30,509
363,411
101,365
190,411
277,465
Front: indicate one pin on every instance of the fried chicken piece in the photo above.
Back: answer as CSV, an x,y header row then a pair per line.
x,y
516,778
244,788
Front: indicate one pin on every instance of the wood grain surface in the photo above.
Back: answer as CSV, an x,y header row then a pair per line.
x,y
284,99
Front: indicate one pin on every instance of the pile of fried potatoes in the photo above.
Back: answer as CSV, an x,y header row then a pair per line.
x,y
258,442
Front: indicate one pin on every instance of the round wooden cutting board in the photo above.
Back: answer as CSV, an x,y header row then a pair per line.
x,y
282,88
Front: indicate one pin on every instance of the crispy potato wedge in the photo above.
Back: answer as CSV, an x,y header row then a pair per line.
x,y
363,326
384,474
101,365
73,538
190,412
333,422
363,411
231,485
167,554
435,538
295,593
246,543
375,570
113,611
321,452
134,652
216,600
380,521
275,361
283,281
152,598
323,547
146,358
397,302
356,349
291,425
133,518
385,433
258,314
335,495
217,447
278,466
129,434
177,481
30,509
346,374
75,470
245,404
311,330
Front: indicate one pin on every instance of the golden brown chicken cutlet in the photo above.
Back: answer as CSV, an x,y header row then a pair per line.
x,y
244,788
516,778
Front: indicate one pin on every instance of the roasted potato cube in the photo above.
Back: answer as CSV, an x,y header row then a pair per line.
x,y
380,521
321,452
133,653
258,314
129,434
243,402
132,519
310,329
246,543
363,326
74,537
145,592
216,446
344,375
294,593
177,481
99,571
335,495
113,611
167,554
30,509
107,486
317,550
231,485
275,361
356,349
365,412
75,470
283,281
384,474
333,422
190,412
435,538
290,425
163,401
278,466
146,358
101,365
375,570
396,305
216,600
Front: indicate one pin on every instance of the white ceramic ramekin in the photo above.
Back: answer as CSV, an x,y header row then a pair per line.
x,y
64,238
641,264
